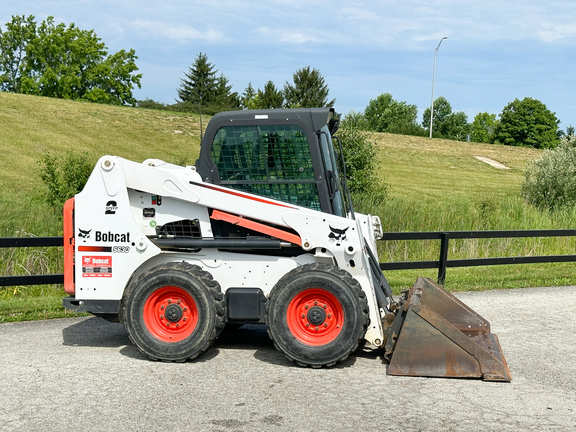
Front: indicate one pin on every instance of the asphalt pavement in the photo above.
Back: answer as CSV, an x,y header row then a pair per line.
x,y
84,374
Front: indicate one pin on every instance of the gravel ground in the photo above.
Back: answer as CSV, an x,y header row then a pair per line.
x,y
83,374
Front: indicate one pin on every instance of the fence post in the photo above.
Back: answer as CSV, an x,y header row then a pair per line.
x,y
444,238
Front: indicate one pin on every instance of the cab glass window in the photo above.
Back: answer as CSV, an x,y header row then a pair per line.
x,y
268,160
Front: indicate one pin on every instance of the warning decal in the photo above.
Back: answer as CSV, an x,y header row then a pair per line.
x,y
96,266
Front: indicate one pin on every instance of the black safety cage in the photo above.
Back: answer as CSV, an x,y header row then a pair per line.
x,y
285,155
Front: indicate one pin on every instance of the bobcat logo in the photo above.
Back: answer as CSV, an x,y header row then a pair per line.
x,y
83,234
337,235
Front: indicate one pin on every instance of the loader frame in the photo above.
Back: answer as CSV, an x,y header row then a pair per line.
x,y
260,230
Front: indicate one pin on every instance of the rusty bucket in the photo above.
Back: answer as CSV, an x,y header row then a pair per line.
x,y
436,335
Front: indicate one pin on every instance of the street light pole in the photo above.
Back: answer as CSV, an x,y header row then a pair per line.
x,y
433,78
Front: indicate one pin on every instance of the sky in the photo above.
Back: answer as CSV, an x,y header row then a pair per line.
x,y
495,51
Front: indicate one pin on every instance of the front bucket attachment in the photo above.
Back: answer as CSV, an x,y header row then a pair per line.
x,y
436,335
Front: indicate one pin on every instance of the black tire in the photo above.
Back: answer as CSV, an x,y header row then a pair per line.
x,y
174,312
317,314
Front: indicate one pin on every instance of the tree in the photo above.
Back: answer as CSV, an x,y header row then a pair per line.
x,y
199,85
355,120
570,131
13,43
66,62
527,122
225,98
442,109
309,90
248,98
483,127
384,114
455,126
446,124
201,88
270,97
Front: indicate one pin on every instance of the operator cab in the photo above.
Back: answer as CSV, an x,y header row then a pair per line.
x,y
286,155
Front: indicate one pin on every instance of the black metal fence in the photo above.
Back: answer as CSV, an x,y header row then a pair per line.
x,y
20,242
442,263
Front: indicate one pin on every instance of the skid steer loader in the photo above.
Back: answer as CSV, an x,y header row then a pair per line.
x,y
260,230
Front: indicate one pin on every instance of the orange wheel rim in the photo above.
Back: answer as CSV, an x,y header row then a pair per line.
x,y
315,317
170,314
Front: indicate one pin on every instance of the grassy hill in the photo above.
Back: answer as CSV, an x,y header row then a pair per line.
x,y
432,185
440,170
31,126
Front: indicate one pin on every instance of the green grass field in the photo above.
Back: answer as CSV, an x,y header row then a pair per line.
x,y
433,185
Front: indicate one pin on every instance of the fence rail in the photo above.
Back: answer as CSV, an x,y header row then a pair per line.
x,y
20,242
442,263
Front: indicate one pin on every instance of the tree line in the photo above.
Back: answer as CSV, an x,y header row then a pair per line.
x,y
203,89
526,122
63,61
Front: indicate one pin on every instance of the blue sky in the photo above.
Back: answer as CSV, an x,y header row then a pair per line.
x,y
496,51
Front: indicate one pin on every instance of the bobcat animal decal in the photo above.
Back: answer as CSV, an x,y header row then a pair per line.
x,y
337,235
84,234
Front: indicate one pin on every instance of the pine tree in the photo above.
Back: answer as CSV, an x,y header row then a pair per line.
x,y
202,89
271,97
308,91
200,83
248,98
224,98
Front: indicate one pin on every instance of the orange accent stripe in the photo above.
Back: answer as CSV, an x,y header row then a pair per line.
x,y
257,226
94,249
69,286
241,195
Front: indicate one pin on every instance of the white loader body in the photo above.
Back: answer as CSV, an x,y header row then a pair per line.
x,y
123,203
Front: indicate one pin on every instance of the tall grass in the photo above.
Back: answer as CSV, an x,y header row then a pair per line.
x,y
509,213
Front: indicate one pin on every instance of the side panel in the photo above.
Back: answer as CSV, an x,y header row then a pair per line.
x,y
234,270
110,245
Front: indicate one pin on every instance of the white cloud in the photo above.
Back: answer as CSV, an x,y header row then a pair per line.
x,y
286,35
176,31
555,32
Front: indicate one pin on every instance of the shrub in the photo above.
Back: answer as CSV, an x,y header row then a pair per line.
x,y
64,176
550,182
151,104
360,159
355,119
